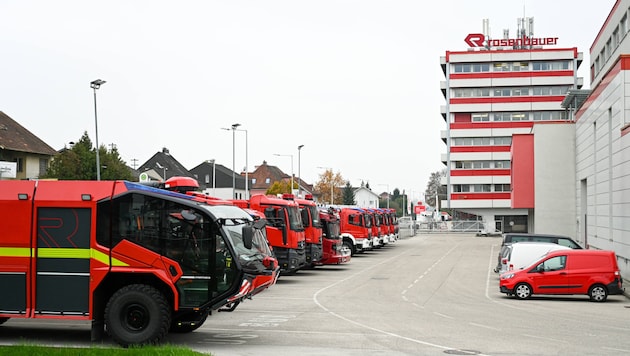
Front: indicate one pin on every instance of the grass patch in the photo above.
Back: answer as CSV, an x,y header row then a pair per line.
x,y
33,350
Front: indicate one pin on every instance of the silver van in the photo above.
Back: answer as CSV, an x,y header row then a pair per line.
x,y
512,237
519,255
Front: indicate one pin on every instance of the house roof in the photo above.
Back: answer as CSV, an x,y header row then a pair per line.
x,y
264,171
165,164
15,137
223,176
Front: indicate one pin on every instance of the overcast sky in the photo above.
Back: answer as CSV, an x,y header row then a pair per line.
x,y
356,82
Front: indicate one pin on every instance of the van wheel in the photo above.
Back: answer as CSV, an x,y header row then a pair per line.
x,y
598,293
523,291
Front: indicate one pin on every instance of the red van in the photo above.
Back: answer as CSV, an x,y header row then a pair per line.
x,y
591,272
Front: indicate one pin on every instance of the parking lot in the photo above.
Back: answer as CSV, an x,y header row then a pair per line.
x,y
427,294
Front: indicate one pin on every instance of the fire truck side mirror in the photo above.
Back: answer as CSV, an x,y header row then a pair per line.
x,y
248,233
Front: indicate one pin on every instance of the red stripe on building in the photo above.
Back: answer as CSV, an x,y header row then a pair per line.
x,y
480,196
490,125
524,74
460,149
510,99
479,172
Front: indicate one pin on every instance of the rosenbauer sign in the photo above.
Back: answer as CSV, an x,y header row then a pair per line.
x,y
479,40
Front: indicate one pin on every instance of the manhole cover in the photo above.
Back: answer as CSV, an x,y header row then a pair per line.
x,y
462,352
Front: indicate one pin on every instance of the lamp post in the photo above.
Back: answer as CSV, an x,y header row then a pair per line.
x,y
332,184
277,154
95,84
299,176
164,169
234,126
246,166
214,174
387,185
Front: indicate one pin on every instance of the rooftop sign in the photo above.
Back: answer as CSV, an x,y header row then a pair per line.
x,y
479,40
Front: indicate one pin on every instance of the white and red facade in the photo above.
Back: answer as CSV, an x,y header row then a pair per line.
x,y
507,134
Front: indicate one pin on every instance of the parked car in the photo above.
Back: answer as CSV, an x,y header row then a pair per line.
x,y
591,272
511,237
519,255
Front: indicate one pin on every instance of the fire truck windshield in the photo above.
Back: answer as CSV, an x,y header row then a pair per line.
x,y
251,260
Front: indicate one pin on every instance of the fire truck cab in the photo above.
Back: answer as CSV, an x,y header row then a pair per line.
x,y
334,251
312,228
137,261
355,225
285,231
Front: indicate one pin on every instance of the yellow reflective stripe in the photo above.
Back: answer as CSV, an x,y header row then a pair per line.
x,y
103,258
82,253
15,252
77,253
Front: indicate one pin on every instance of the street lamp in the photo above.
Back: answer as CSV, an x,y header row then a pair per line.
x,y
387,194
95,84
214,174
277,154
332,184
164,169
234,126
299,177
246,166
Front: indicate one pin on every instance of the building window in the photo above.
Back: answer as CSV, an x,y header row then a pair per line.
x,y
207,179
480,117
501,164
253,180
482,188
502,188
20,164
43,166
267,180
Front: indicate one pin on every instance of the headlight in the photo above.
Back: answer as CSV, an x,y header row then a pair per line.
x,y
507,276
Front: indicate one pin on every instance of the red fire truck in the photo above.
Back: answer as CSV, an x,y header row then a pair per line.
x,y
392,221
377,235
355,226
312,228
334,251
284,227
137,261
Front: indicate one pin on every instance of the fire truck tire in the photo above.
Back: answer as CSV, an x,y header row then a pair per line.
x,y
350,246
137,314
3,320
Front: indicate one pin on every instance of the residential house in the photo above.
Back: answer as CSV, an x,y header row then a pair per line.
x,y
22,154
163,166
366,198
263,177
216,180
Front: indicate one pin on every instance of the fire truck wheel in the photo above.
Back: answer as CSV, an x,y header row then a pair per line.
x,y
3,320
137,314
350,246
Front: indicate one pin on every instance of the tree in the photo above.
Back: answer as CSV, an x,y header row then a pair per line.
x,y
348,195
79,163
278,187
435,188
329,181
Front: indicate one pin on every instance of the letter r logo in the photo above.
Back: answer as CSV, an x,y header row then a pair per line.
x,y
475,39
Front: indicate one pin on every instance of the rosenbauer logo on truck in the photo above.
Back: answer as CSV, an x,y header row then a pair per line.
x,y
480,40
